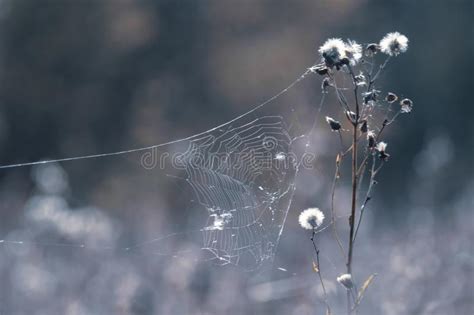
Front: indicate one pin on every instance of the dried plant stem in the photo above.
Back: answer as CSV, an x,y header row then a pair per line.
x,y
354,186
353,210
385,123
333,210
373,172
368,194
340,96
353,201
316,250
374,78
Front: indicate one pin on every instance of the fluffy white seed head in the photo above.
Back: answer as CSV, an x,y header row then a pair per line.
x,y
353,52
332,51
393,44
311,218
345,280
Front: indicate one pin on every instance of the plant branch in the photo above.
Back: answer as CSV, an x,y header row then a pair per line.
x,y
354,186
333,210
367,196
382,66
318,271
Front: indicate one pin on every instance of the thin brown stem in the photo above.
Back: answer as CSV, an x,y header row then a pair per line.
x,y
354,187
318,271
382,66
340,96
333,210
353,207
373,172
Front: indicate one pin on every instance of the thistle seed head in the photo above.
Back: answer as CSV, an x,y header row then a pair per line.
x,y
393,44
311,218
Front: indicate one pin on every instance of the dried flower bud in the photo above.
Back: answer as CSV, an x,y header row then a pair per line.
x,y
384,156
360,80
391,97
334,124
345,61
345,280
407,105
325,84
381,147
371,96
320,69
363,127
371,139
351,116
372,49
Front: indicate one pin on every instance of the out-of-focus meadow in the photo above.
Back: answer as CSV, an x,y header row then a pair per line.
x,y
86,77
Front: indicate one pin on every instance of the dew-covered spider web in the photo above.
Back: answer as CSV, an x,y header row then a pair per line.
x,y
231,190
244,179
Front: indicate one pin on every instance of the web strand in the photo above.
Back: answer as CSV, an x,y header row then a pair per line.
x,y
93,156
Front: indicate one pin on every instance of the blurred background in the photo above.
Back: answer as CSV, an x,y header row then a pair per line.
x,y
86,77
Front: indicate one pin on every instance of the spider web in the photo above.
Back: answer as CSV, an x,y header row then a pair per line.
x,y
241,176
244,178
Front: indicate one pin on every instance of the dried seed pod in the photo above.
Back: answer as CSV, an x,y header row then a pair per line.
x,y
320,69
371,96
391,97
345,280
381,147
345,61
372,49
315,267
371,139
363,126
334,124
384,156
351,116
360,80
406,105
325,84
